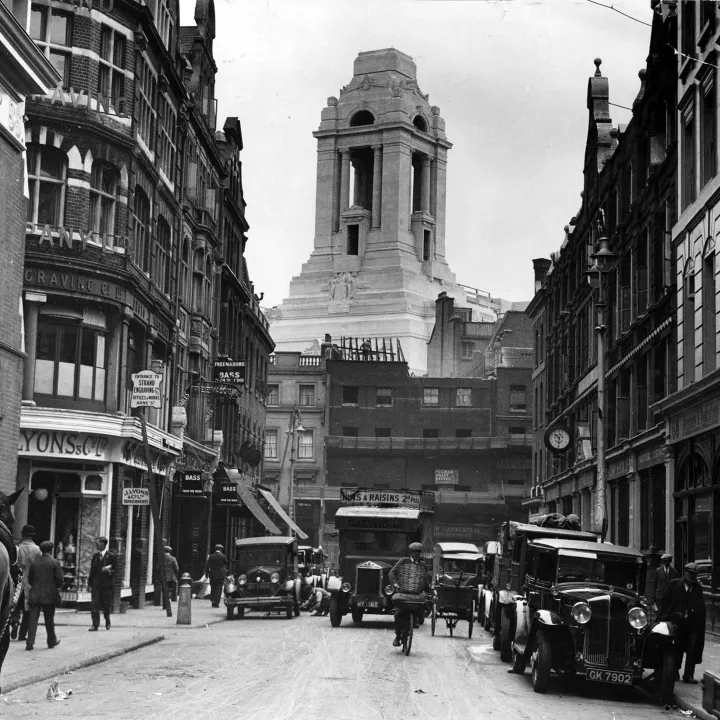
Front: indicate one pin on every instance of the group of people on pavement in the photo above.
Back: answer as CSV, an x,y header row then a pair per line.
x,y
42,580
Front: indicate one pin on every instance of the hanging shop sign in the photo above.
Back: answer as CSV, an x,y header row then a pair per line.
x,y
447,477
214,388
191,484
135,496
390,498
229,371
146,390
228,493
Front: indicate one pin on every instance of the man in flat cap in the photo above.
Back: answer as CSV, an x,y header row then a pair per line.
x,y
683,604
664,573
216,569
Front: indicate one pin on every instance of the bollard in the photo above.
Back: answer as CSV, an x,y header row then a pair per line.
x,y
184,613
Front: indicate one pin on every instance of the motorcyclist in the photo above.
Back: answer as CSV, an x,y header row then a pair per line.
x,y
409,575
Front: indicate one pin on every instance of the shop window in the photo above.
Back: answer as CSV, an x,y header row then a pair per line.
x,y
271,444
141,218
47,175
111,73
307,395
384,397
93,483
305,445
70,361
163,250
463,397
431,396
103,189
52,32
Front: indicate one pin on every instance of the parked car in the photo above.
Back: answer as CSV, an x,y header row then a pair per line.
x,y
264,577
581,611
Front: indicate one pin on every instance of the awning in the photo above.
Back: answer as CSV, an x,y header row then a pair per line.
x,y
275,505
249,499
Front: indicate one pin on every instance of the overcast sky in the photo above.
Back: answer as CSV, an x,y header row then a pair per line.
x,y
510,79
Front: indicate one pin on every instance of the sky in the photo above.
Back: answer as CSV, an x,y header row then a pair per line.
x,y
510,78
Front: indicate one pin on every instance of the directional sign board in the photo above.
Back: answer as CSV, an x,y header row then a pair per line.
x,y
136,496
146,390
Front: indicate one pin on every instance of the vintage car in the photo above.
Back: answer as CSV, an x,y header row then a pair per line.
x,y
264,576
491,550
509,575
582,611
312,563
455,579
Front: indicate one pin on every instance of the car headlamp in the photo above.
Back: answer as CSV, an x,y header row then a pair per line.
x,y
275,578
346,587
581,612
242,579
637,617
389,589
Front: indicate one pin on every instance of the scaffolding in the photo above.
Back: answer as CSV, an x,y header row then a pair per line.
x,y
371,349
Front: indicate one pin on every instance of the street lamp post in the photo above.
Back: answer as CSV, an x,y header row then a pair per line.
x,y
294,426
603,263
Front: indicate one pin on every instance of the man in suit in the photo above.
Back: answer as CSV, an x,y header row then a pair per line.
x,y
100,583
45,578
27,552
683,604
216,570
664,573
171,573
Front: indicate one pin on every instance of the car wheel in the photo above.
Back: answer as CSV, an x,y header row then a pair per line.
x,y
335,616
541,661
505,639
669,673
357,616
519,663
433,620
289,612
240,612
229,611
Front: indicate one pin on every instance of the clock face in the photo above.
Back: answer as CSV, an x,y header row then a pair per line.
x,y
559,439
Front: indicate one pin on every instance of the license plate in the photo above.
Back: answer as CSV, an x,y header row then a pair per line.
x,y
369,604
610,676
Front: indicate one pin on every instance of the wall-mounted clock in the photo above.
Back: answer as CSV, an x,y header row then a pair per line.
x,y
557,438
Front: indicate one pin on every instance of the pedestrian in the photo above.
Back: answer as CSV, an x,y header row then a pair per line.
x,y
27,552
664,573
45,577
101,581
683,603
171,573
216,570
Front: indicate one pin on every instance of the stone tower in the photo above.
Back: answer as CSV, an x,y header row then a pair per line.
x,y
378,261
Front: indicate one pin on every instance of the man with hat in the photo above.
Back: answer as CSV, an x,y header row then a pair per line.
x,y
216,569
171,573
683,604
27,552
409,577
664,573
101,583
46,578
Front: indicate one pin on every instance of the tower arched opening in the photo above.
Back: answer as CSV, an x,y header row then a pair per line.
x,y
362,117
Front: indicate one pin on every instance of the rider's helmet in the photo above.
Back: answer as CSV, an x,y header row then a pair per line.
x,y
415,546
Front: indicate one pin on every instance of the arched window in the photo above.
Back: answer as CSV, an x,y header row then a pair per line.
x,y
184,270
103,189
47,175
162,258
141,214
419,123
363,117
198,268
208,288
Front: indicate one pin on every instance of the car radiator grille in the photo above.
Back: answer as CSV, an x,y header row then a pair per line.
x,y
607,638
367,581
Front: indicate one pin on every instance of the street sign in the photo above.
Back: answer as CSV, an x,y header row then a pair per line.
x,y
136,496
229,371
146,390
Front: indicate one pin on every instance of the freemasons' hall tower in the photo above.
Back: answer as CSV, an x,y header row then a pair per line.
x,y
378,261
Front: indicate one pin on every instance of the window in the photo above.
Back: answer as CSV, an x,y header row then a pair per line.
x,y
111,73
164,23
382,432
431,396
708,143
688,314
384,396
271,444
52,32
141,216
688,155
167,143
103,186
463,397
431,433
467,349
427,242
208,288
463,433
184,270
353,239
305,445
517,398
47,172
350,395
709,330
350,432
516,430
163,248
273,396
146,89
198,279
307,395
70,361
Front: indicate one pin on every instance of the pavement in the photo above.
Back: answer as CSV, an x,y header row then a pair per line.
x,y
79,648
136,629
